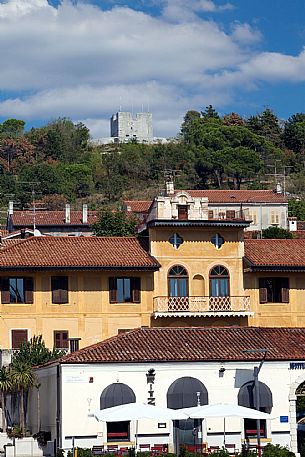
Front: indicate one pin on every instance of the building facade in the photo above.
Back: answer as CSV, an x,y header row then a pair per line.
x,y
126,127
189,365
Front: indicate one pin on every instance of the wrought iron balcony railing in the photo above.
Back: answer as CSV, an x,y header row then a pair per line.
x,y
201,304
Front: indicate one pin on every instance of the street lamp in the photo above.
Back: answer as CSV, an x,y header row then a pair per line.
x,y
256,371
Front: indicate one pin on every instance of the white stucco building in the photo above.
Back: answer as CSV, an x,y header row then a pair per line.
x,y
209,363
125,127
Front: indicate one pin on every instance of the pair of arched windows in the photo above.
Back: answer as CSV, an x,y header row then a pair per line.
x,y
178,282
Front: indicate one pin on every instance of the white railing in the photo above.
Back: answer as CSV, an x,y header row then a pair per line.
x,y
201,304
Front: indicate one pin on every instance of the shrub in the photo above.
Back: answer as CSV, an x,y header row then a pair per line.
x,y
271,450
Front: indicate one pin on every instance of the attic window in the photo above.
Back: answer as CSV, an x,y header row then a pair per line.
x,y
176,240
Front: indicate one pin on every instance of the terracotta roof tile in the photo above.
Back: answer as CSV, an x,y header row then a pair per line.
x,y
78,252
169,344
239,196
276,252
138,206
26,218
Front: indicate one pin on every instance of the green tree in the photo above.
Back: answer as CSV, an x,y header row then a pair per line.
x,y
241,164
210,113
75,180
294,134
267,125
35,352
115,223
296,208
12,128
5,386
23,379
276,232
188,119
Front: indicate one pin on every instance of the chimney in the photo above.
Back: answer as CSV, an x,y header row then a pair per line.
x,y
278,188
85,214
10,208
22,233
170,186
74,344
68,214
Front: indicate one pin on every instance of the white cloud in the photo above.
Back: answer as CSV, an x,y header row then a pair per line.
x,y
83,62
244,33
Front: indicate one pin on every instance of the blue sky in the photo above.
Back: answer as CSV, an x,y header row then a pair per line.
x,y
84,59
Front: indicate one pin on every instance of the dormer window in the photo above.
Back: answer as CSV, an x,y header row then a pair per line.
x,y
217,240
176,240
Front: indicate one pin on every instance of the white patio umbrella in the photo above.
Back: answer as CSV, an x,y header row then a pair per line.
x,y
224,410
137,411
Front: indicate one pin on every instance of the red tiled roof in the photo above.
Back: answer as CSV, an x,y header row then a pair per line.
x,y
138,206
282,252
218,196
26,218
239,196
78,252
194,344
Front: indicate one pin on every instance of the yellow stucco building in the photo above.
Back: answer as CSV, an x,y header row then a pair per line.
x,y
187,268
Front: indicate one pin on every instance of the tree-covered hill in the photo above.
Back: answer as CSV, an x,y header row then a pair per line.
x,y
60,163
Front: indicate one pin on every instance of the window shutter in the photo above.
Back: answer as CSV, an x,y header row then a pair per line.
x,y
18,337
263,297
230,214
136,290
59,289
285,291
5,291
28,290
112,290
211,214
64,290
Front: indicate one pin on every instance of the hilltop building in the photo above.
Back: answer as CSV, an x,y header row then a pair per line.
x,y
125,127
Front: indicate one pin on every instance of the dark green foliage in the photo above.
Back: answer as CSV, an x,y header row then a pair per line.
x,y
12,128
210,113
114,223
294,133
276,232
296,208
271,450
35,352
82,452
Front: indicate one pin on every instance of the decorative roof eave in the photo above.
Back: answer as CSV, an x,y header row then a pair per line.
x,y
198,223
79,268
206,314
250,267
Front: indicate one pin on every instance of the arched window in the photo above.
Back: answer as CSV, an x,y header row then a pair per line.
x,y
183,393
116,394
246,397
177,282
113,395
219,282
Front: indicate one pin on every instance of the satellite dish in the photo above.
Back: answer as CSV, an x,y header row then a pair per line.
x,y
37,232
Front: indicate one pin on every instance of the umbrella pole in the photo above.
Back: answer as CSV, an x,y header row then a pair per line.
x,y
224,432
136,440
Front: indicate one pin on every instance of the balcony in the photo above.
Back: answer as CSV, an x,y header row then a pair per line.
x,y
201,306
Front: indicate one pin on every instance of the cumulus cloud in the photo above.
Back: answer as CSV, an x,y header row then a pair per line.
x,y
244,33
81,61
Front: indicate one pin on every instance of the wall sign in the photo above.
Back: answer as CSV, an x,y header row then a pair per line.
x,y
283,418
297,365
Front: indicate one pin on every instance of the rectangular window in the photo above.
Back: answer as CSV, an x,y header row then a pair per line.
x,y
19,337
251,430
16,290
59,285
253,218
124,290
61,339
274,290
230,214
274,218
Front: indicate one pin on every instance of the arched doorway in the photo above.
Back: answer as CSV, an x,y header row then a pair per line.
x,y
184,393
113,395
246,397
